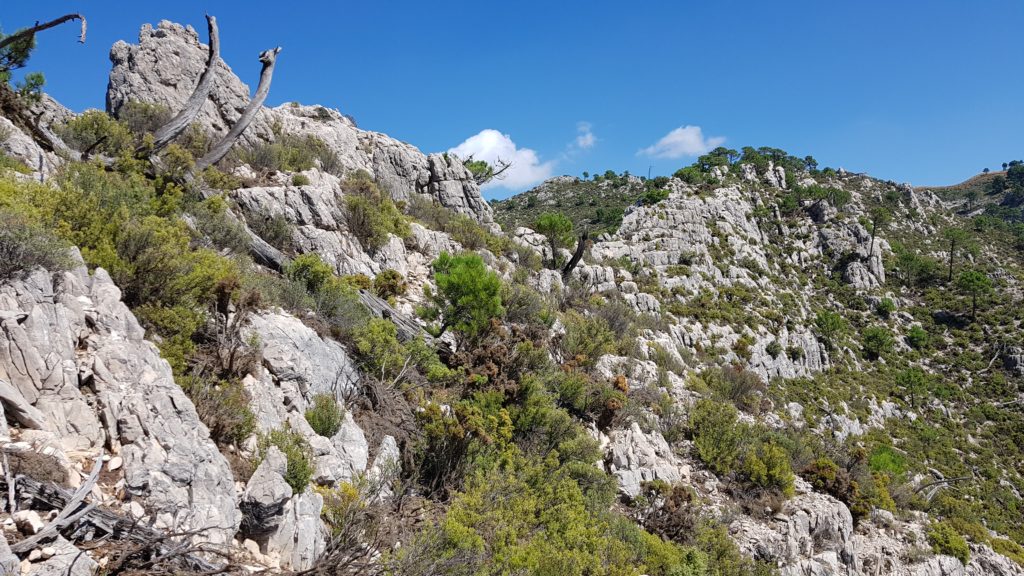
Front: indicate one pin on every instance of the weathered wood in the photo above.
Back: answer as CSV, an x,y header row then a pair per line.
x,y
175,126
69,512
576,257
113,526
27,32
408,329
220,149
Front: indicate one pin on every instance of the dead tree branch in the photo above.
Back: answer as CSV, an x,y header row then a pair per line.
x,y
113,526
68,514
29,32
220,149
576,257
175,126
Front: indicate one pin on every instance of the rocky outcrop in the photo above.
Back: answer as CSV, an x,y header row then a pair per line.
x,y
286,528
297,365
165,65
74,351
637,457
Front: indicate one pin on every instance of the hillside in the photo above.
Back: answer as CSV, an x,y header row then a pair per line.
x,y
296,346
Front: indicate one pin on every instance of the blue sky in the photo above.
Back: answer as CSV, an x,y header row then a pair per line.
x,y
919,91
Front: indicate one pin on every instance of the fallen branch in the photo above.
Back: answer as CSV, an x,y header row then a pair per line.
x,y
220,149
68,514
117,527
29,32
175,126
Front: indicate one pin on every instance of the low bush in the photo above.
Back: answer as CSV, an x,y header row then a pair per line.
x,y
95,129
389,284
143,117
876,341
25,247
325,416
370,213
945,540
652,197
717,435
586,338
276,229
223,406
289,153
767,467
296,450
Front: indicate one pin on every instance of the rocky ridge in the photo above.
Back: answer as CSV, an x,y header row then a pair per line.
x,y
78,378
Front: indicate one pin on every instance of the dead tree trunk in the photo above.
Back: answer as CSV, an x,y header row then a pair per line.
x,y
220,149
576,257
175,126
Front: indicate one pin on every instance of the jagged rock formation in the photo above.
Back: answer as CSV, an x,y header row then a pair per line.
x,y
73,351
166,63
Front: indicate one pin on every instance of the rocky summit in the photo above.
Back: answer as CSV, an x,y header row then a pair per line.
x,y
321,351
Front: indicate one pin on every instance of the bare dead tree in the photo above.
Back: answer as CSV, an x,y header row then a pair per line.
x,y
581,247
221,148
176,125
29,32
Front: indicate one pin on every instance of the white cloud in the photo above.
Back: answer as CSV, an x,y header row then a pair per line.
x,y
491,146
683,141
585,138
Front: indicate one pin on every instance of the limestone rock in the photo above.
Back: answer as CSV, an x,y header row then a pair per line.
x,y
294,354
75,337
165,65
65,561
265,495
638,457
300,537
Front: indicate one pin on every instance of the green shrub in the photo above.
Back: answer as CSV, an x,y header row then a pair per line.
x,y
768,467
876,341
25,247
371,215
885,307
325,416
9,163
773,348
468,294
143,117
212,221
223,406
96,128
586,338
831,327
310,270
717,435
945,540
220,180
389,284
289,153
275,229
300,180
296,450
652,197
918,337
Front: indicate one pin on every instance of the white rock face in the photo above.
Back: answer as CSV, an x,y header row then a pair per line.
x,y
638,457
165,65
73,350
299,364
